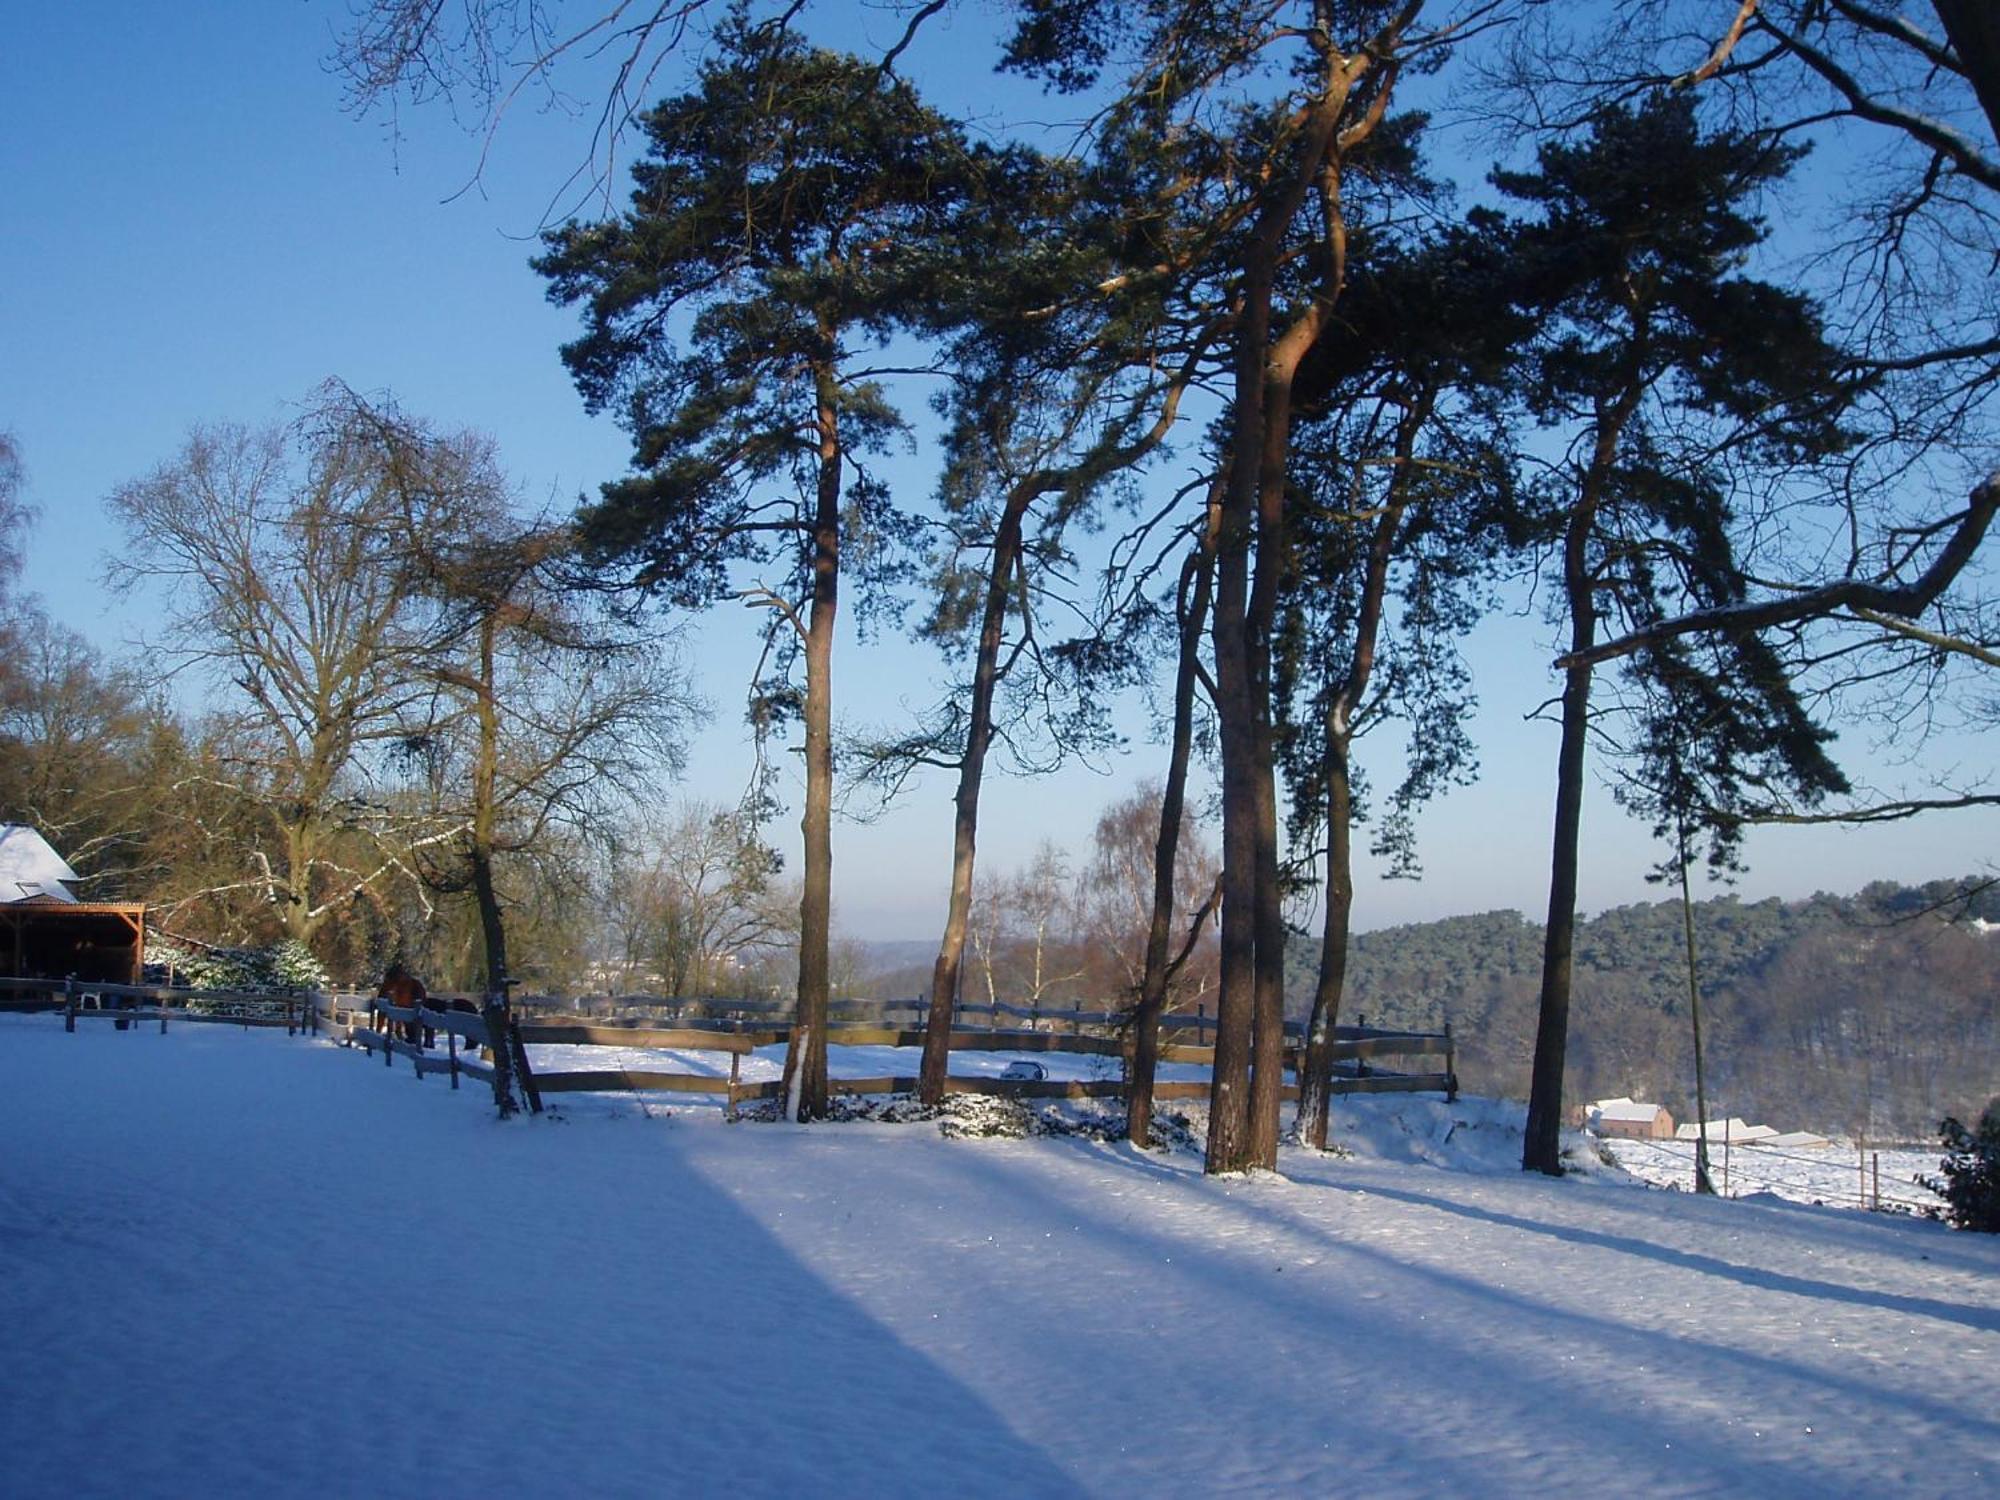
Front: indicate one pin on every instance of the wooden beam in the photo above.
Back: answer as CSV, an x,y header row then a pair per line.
x,y
548,1034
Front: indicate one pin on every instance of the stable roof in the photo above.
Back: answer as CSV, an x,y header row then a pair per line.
x,y
30,868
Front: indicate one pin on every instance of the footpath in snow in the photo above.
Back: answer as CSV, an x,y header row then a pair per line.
x,y
238,1263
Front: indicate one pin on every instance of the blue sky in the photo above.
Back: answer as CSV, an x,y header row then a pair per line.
x,y
196,232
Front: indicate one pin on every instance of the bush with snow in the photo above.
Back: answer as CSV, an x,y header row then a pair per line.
x,y
284,966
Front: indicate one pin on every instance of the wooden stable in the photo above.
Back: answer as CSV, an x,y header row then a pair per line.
x,y
100,942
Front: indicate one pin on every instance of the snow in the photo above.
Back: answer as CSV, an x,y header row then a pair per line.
x,y
240,1263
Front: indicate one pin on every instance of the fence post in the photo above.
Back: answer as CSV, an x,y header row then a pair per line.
x,y
735,1066
451,1052
161,1001
1877,1163
69,1003
1450,1066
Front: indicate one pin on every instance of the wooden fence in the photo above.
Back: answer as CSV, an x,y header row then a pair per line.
x,y
122,1004
744,1026
730,1029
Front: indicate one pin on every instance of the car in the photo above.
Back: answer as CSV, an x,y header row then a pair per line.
x,y
1023,1071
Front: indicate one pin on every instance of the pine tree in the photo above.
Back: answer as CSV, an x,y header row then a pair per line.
x,y
1663,371
787,218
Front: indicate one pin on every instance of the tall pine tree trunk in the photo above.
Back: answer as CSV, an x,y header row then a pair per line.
x,y
1541,1150
1316,1070
965,805
1323,1027
805,1078
1273,558
1230,1146
987,672
1244,1109
1196,583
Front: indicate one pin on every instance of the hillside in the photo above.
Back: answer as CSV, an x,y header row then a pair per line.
x,y
1868,1014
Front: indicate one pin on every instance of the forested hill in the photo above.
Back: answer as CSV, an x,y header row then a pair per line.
x,y
1872,1013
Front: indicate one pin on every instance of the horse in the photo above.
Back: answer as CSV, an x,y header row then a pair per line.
x,y
402,988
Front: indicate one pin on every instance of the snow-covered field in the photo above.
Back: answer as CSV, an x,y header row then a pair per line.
x,y
1838,1174
241,1264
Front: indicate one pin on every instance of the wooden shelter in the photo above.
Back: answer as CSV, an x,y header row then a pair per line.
x,y
46,933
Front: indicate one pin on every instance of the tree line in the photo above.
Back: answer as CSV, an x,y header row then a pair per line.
x,y
1868,1015
1244,392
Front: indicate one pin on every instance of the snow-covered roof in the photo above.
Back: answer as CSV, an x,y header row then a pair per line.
x,y
1625,1109
1801,1139
1738,1132
31,870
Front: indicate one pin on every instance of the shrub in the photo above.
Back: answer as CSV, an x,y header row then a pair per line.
x,y
288,965
1970,1185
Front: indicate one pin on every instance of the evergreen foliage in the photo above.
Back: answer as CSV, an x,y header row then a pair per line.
x,y
1970,1185
286,967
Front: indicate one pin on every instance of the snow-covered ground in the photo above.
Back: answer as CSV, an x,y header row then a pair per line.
x,y
237,1263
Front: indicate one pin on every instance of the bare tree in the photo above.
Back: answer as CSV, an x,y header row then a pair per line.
x,y
481,59
696,899
75,737
552,715
1040,903
286,554
1116,899
15,514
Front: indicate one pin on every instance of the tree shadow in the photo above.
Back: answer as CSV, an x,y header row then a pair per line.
x,y
386,1291
1592,1396
1982,1319
1446,1414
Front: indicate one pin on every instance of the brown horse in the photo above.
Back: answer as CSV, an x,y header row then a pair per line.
x,y
402,988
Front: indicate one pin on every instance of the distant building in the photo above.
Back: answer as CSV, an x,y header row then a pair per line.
x,y
1629,1120
46,932
1732,1132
